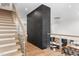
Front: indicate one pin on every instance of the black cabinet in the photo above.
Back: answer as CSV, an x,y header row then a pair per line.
x,y
38,26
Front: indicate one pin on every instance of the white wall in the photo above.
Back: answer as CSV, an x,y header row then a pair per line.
x,y
68,22
68,13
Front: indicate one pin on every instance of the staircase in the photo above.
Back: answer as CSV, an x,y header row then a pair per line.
x,y
8,41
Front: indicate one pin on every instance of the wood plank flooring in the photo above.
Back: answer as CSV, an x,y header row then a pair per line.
x,y
32,50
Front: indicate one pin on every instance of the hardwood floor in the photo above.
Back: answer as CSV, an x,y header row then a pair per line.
x,y
32,50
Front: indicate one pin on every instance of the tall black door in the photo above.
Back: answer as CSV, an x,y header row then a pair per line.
x,y
38,26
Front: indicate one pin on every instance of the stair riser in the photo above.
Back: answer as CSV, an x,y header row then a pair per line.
x,y
4,49
7,42
7,32
6,45
9,52
7,36
7,27
1,21
7,19
7,23
14,54
4,39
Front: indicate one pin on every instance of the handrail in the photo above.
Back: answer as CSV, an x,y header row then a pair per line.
x,y
64,35
22,27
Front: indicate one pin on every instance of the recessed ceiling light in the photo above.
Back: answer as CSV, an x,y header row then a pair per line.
x,y
69,6
26,9
77,12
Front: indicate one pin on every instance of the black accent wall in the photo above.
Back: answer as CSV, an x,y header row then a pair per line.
x,y
38,26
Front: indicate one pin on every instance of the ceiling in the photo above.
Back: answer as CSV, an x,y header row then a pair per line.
x,y
68,14
26,8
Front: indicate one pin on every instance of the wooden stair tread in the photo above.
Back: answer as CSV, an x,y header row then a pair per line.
x,y
16,53
7,24
8,48
7,39
4,32
8,52
8,42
